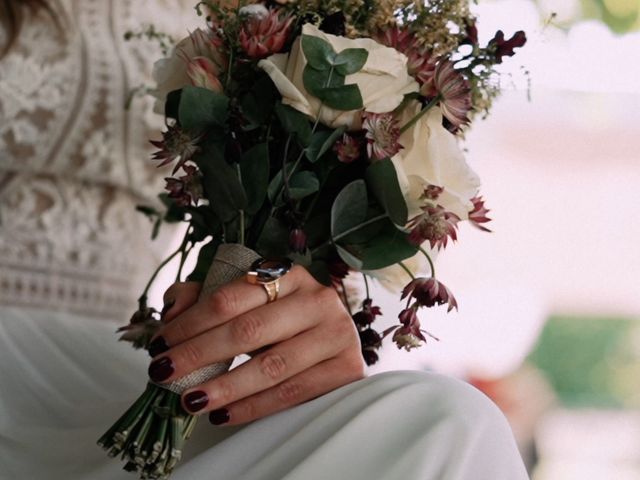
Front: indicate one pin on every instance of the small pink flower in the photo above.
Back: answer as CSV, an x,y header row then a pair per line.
x,y
434,224
409,335
176,144
264,35
347,149
478,215
203,73
187,189
429,292
367,315
454,92
382,134
504,48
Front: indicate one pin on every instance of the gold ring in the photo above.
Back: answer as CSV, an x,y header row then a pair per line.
x,y
268,273
272,289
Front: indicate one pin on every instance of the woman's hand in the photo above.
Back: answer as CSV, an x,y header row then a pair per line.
x,y
312,346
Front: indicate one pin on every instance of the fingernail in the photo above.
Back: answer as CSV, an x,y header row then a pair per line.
x,y
196,401
220,416
166,307
158,346
161,369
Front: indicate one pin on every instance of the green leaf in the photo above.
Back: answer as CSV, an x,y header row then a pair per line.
x,y
349,208
318,52
257,105
303,184
205,259
382,180
349,258
350,61
201,108
294,122
274,239
222,188
321,143
345,98
172,104
388,248
316,80
275,186
254,168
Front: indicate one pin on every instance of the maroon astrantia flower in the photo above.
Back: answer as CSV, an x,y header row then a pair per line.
x,y
472,33
434,224
478,215
186,190
338,269
429,292
420,64
505,48
143,325
203,72
298,240
370,356
176,144
347,149
453,91
263,35
367,315
409,335
382,134
370,339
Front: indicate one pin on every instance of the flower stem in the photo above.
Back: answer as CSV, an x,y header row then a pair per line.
x,y
346,297
240,211
431,266
350,230
366,285
420,114
406,269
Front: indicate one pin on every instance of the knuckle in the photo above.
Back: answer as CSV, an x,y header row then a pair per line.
x,y
325,297
225,391
192,354
180,329
247,330
171,292
290,392
223,301
273,365
249,410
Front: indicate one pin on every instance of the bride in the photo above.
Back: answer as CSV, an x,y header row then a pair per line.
x,y
72,168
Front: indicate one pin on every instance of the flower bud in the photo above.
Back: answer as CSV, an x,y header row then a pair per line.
x,y
298,240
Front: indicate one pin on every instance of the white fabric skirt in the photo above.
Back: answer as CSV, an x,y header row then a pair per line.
x,y
64,379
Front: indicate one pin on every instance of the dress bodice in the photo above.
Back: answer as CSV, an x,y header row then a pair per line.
x,y
73,160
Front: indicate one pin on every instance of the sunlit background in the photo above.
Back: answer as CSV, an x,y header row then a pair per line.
x,y
549,314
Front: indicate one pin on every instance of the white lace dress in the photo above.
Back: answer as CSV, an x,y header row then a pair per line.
x,y
73,164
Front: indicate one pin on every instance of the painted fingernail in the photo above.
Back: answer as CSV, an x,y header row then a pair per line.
x,y
196,401
219,417
166,307
161,369
158,346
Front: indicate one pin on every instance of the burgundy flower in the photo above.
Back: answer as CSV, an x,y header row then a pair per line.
x,y
263,35
478,215
429,292
187,189
370,356
298,240
370,339
434,224
143,325
176,144
347,149
367,315
505,48
420,64
409,335
338,269
472,33
453,90
382,134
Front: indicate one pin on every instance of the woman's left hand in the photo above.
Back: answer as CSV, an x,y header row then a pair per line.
x,y
307,343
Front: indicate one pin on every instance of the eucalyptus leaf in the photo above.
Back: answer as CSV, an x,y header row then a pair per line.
x,y
294,122
318,52
172,104
303,184
275,186
254,168
321,143
349,258
350,60
201,108
315,81
274,239
349,209
345,98
222,188
382,180
388,248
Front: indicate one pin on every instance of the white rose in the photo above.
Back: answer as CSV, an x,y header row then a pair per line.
x,y
432,156
383,81
172,72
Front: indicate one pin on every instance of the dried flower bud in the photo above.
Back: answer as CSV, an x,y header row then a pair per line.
x,y
370,338
143,325
347,149
176,144
298,240
367,315
505,48
203,73
263,35
370,356
429,292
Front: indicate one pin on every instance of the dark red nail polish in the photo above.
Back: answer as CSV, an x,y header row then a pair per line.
x,y
220,416
158,346
166,307
161,369
196,401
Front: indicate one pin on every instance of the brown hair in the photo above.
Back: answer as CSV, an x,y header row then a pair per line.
x,y
13,14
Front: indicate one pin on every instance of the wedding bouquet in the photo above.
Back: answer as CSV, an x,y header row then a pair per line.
x,y
325,132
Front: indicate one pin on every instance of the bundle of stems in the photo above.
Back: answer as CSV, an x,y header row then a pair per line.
x,y
151,434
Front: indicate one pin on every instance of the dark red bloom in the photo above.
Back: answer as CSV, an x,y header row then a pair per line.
x,y
472,33
429,292
370,338
420,64
347,149
338,269
434,224
367,315
453,90
176,144
370,356
187,189
478,215
505,48
409,335
143,325
298,240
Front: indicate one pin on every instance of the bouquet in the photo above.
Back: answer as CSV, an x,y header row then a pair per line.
x,y
325,132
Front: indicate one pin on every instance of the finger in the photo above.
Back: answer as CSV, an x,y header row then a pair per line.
x,y
266,370
225,303
268,324
305,386
178,298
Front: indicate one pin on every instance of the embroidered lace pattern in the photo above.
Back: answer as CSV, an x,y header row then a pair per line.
x,y
74,160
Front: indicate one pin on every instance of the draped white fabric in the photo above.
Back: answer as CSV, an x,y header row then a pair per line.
x,y
64,379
